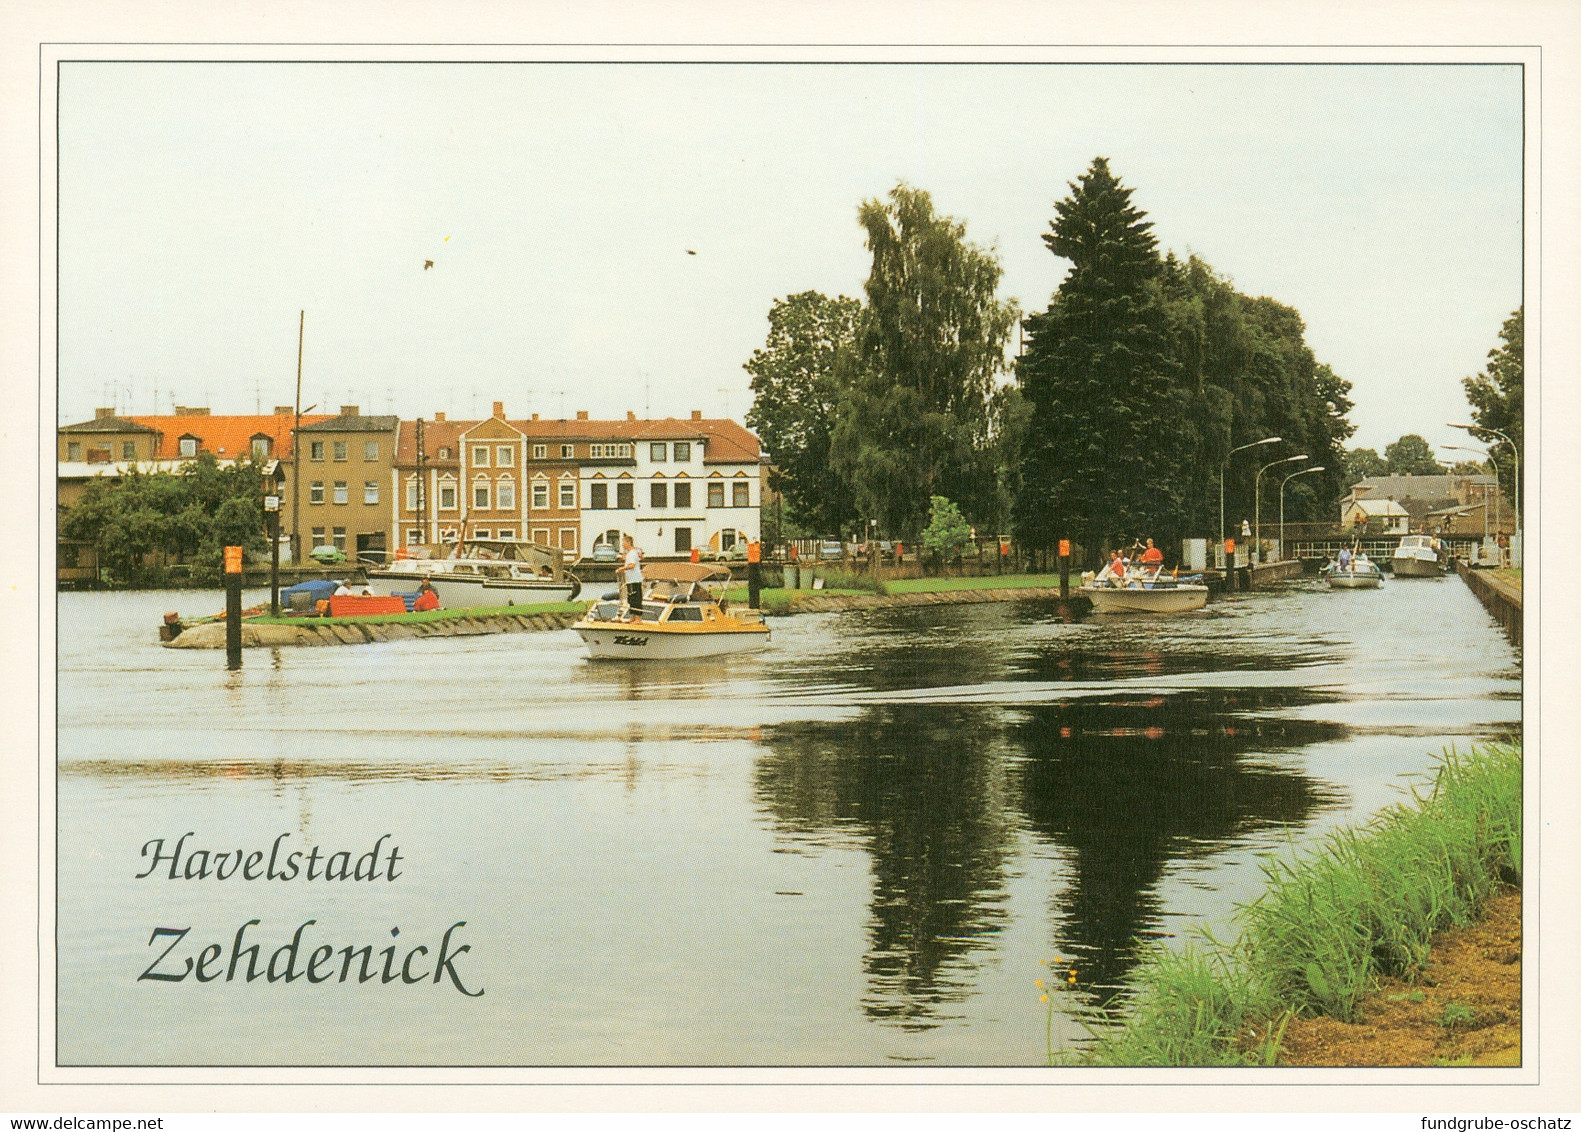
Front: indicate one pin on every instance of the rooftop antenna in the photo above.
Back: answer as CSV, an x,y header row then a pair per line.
x,y
647,397
726,392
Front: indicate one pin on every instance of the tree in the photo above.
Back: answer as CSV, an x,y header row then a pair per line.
x,y
796,380
914,418
1103,456
1498,393
1362,463
1411,455
947,529
1469,468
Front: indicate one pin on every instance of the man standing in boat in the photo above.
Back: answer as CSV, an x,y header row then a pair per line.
x,y
1152,556
632,575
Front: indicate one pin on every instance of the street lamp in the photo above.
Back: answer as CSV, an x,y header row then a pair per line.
x,y
1517,463
1224,470
1257,485
1494,464
1287,479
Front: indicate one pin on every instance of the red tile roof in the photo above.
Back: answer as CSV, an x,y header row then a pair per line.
x,y
727,442
227,437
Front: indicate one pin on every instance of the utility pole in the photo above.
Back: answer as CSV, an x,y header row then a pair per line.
x,y
296,452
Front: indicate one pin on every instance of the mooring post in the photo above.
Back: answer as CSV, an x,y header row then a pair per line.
x,y
1064,569
754,573
233,607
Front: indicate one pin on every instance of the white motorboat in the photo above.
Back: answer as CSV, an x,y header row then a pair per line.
x,y
1145,590
480,574
684,615
1417,557
1359,573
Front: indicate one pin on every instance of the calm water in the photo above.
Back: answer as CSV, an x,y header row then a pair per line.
x,y
852,849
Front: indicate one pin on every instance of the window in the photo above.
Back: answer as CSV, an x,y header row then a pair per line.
x,y
741,494
540,494
540,451
260,448
129,450
340,449
480,456
599,497
315,450
315,493
340,491
656,452
414,537
340,538
540,535
505,495
480,497
568,539
73,450
683,450
482,532
608,451
716,494
447,497
370,449
370,491
683,495
727,539
506,533
189,446
411,495
658,495
318,537
567,451
623,497
683,540
444,453
505,457
568,494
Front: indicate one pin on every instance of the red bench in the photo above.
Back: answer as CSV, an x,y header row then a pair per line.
x,y
362,605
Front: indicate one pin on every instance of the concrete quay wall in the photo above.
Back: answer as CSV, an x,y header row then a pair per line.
x,y
1501,599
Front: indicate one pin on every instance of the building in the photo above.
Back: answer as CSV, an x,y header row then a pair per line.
x,y
344,473
1420,496
1379,516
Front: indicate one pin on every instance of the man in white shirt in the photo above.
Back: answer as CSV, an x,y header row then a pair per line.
x,y
632,575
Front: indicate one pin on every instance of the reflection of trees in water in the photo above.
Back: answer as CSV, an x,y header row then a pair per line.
x,y
1127,786
923,788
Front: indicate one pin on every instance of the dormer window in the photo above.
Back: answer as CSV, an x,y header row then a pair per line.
x,y
260,449
188,446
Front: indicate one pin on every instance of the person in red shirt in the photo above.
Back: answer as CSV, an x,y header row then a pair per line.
x,y
427,597
1152,556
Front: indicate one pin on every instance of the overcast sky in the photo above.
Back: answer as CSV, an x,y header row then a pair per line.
x,y
202,206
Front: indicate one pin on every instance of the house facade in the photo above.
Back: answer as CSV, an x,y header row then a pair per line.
x,y
344,473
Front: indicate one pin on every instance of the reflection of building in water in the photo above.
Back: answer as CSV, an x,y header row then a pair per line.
x,y
1122,786
1126,786
924,789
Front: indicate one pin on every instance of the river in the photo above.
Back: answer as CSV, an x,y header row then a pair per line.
x,y
852,849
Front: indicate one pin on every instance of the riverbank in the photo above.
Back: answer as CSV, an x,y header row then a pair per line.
x,y
1500,592
1345,936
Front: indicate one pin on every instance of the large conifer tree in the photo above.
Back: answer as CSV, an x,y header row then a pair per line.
x,y
1106,436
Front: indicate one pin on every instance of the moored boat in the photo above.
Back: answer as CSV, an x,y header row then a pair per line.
x,y
1417,557
684,615
1145,591
480,573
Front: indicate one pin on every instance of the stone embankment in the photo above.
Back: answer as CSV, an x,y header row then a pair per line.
x,y
309,631
1502,599
809,601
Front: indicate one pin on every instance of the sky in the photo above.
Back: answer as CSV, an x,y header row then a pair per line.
x,y
610,237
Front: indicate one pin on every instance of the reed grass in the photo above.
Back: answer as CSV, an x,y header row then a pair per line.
x,y
1364,904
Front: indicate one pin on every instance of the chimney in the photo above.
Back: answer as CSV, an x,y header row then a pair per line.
x,y
581,414
348,410
697,414
100,414
535,416
499,409
630,416
283,411
439,417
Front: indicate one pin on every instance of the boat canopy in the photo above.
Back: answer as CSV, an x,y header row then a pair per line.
x,y
682,573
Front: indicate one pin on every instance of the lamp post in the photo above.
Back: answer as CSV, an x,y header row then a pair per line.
x,y
1494,464
1517,462
1287,479
1257,511
1223,471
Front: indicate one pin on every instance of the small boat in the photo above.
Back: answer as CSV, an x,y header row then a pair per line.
x,y
1417,557
684,615
481,573
1360,573
1145,590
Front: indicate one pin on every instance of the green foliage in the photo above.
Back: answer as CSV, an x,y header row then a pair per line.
x,y
915,417
1366,903
1497,394
139,522
1456,1014
1411,455
796,382
947,530
1362,463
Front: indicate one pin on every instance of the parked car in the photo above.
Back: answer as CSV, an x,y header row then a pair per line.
x,y
737,553
605,552
327,554
831,548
